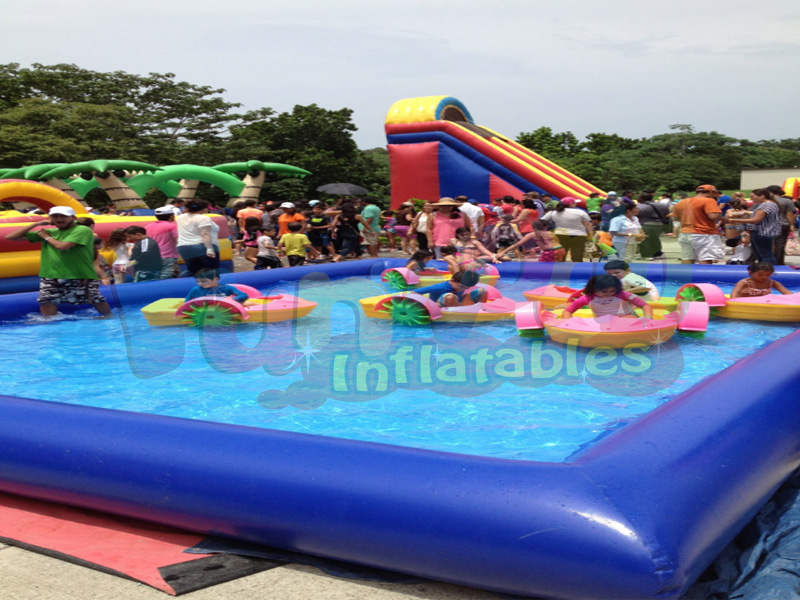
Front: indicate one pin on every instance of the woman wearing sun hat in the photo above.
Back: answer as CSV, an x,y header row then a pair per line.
x,y
442,227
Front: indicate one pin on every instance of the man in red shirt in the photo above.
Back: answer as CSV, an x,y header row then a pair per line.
x,y
699,239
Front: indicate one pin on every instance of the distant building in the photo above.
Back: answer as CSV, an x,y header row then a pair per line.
x,y
753,179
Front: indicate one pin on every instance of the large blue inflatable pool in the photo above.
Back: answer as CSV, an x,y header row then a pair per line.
x,y
638,514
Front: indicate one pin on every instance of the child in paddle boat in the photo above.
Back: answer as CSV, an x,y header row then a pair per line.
x,y
208,285
452,293
418,261
631,282
605,296
760,282
449,256
471,254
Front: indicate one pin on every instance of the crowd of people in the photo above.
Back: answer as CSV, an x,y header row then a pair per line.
x,y
466,234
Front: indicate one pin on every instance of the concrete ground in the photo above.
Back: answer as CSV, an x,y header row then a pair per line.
x,y
31,576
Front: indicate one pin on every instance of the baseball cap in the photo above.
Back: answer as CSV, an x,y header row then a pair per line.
x,y
287,205
611,194
567,200
167,210
313,202
472,201
706,188
62,210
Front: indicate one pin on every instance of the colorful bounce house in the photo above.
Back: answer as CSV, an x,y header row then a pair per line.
x,y
436,150
125,182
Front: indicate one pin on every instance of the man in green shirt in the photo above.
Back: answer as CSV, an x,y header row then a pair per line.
x,y
372,215
67,273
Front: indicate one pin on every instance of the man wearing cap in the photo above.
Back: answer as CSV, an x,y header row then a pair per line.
x,y
67,273
611,208
699,239
165,233
290,215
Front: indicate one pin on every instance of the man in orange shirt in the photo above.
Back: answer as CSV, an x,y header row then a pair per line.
x,y
699,239
249,210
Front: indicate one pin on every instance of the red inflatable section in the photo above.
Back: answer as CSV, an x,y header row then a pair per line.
x,y
415,172
499,188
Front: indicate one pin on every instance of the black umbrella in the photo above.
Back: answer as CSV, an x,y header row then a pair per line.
x,y
342,189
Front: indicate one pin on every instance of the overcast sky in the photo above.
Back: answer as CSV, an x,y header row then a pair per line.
x,y
613,66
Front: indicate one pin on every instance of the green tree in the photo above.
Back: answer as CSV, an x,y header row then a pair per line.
x,y
549,144
167,120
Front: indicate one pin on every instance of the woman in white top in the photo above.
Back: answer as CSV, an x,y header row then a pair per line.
x,y
419,226
626,232
573,228
198,237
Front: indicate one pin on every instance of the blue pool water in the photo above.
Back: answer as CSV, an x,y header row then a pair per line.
x,y
485,392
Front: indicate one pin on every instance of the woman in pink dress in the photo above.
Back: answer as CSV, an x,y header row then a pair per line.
x,y
442,227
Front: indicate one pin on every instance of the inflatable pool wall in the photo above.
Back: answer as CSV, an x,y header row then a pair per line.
x,y
638,514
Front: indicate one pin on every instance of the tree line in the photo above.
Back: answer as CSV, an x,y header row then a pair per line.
x,y
63,113
672,162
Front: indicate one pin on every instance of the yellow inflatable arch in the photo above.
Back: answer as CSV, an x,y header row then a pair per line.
x,y
40,195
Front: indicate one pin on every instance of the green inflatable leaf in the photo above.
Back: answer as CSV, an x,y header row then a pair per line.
x,y
209,315
407,312
396,280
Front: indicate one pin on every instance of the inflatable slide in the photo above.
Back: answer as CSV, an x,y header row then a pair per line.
x,y
436,149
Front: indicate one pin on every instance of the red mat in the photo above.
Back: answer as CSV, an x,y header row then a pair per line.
x,y
137,550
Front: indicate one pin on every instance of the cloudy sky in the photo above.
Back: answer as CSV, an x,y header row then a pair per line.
x,y
613,66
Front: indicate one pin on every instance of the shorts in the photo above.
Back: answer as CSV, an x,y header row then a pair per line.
x,y
687,246
319,240
553,255
295,260
707,247
370,239
267,262
69,291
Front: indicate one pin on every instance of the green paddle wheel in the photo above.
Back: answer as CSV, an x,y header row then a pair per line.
x,y
209,315
691,294
405,311
396,280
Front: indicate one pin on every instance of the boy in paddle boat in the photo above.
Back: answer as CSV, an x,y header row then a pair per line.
x,y
208,285
452,292
631,282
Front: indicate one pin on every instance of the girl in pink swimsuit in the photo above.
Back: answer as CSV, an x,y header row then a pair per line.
x,y
605,296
